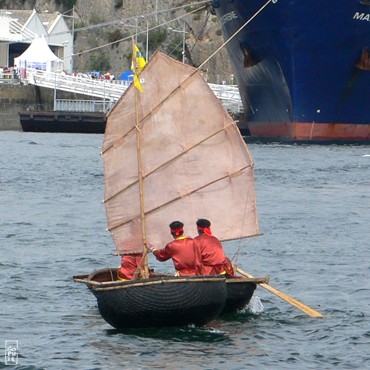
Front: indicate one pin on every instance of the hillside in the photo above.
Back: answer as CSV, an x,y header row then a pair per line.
x,y
103,31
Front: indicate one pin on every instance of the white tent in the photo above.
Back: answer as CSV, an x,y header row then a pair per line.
x,y
39,56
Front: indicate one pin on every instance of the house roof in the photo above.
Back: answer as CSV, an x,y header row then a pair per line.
x,y
48,19
22,16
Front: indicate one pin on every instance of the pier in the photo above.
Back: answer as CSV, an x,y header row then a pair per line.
x,y
50,107
59,121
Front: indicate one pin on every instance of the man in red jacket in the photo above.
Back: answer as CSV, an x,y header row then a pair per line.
x,y
181,250
210,254
129,265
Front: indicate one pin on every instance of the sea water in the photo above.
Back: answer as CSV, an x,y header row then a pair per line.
x,y
314,212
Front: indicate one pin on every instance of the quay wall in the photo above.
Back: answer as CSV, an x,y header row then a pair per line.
x,y
15,98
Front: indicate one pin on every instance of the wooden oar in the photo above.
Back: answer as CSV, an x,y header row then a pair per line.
x,y
306,309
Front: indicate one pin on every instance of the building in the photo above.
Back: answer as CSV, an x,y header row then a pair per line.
x,y
18,28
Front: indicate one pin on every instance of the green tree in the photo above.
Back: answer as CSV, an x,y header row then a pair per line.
x,y
66,4
156,38
115,36
99,62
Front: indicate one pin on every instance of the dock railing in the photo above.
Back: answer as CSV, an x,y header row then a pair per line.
x,y
110,91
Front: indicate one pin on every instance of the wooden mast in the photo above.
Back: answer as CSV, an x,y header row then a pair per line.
x,y
143,265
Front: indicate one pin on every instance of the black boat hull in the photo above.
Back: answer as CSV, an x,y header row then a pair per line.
x,y
61,121
239,293
163,301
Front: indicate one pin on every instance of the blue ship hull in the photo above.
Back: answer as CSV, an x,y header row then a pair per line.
x,y
302,67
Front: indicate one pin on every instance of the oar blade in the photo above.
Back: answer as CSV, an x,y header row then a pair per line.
x,y
306,309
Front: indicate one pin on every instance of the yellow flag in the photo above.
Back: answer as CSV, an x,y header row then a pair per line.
x,y
137,64
137,83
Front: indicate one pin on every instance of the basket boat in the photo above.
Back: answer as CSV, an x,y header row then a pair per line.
x,y
160,301
239,292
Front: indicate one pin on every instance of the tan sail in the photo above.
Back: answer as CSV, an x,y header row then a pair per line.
x,y
195,163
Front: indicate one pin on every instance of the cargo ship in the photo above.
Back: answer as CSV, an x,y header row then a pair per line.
x,y
302,67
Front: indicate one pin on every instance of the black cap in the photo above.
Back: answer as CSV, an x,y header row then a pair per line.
x,y
176,225
202,222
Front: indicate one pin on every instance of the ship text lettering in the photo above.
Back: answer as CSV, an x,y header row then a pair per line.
x,y
228,17
362,16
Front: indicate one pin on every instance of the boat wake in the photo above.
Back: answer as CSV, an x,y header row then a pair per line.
x,y
189,333
254,306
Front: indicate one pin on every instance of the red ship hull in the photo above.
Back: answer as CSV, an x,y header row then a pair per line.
x,y
304,131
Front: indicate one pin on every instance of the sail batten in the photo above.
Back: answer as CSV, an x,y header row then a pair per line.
x,y
118,142
186,193
194,162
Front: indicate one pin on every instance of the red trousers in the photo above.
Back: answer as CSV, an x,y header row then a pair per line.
x,y
129,265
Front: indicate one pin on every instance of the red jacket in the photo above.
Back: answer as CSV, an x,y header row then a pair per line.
x,y
182,252
211,257
129,264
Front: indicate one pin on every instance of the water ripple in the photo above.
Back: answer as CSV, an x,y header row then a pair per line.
x,y
314,215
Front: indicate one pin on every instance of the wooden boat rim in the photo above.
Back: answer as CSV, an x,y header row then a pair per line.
x,y
258,280
162,279
148,282
121,284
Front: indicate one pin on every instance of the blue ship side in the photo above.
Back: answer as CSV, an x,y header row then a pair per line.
x,y
302,67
